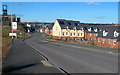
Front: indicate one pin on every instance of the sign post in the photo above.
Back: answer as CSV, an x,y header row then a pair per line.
x,y
13,34
14,26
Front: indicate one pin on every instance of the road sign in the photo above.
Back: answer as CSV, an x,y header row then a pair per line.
x,y
12,34
14,26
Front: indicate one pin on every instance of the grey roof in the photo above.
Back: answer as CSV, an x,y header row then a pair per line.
x,y
92,27
70,24
50,27
110,30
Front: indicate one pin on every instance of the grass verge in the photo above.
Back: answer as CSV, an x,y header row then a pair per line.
x,y
7,40
76,43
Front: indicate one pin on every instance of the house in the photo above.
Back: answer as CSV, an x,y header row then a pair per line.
x,y
109,37
98,34
67,30
91,32
48,30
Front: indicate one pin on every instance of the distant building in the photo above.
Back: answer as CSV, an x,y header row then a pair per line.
x,y
48,30
6,18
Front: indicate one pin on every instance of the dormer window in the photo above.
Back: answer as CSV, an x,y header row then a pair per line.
x,y
76,24
67,27
89,29
116,34
96,30
81,28
75,28
105,33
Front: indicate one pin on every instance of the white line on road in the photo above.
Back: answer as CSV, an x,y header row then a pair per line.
x,y
46,63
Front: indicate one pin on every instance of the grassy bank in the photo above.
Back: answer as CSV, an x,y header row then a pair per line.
x,y
7,40
76,43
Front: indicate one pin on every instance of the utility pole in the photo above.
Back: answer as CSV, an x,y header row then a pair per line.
x,y
11,19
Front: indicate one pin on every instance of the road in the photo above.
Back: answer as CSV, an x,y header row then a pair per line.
x,y
23,59
82,59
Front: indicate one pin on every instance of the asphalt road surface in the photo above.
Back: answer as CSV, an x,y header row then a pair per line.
x,y
22,60
82,59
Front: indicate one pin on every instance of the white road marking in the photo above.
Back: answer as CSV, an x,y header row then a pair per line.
x,y
46,63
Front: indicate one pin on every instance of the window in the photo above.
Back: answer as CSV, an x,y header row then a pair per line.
x,y
103,41
63,33
5,18
90,34
71,34
67,27
66,33
114,42
96,34
110,41
78,34
105,33
74,28
74,33
96,30
89,29
116,34
81,34
81,28
98,40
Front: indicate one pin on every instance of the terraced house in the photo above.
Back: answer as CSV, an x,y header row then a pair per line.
x,y
91,33
67,30
109,37
100,34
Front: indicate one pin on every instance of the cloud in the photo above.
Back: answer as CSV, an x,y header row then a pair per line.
x,y
92,3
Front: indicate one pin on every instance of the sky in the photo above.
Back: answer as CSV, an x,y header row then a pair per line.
x,y
85,12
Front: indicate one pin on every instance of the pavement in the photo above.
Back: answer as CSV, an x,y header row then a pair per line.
x,y
76,59
24,59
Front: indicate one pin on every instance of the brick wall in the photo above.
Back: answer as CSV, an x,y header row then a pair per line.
x,y
113,43
91,36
